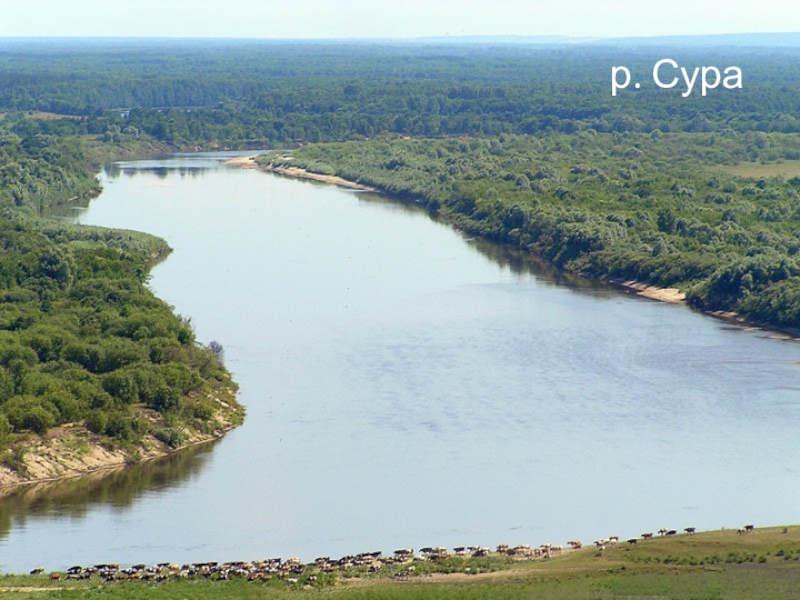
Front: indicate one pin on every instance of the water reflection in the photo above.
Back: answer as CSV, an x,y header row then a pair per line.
x,y
65,210
117,488
117,170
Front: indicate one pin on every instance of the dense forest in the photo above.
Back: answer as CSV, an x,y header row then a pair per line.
x,y
82,339
521,144
263,93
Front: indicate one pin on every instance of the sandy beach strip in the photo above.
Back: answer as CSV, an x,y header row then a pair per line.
x,y
249,162
672,295
244,162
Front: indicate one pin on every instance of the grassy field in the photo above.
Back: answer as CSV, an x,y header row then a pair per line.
x,y
754,170
715,566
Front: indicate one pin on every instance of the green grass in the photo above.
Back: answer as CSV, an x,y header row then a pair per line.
x,y
755,170
708,566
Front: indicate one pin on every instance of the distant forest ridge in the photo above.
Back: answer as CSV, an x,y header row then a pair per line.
x,y
266,92
753,39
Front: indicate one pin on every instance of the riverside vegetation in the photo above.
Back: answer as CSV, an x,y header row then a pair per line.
x,y
657,208
711,565
89,358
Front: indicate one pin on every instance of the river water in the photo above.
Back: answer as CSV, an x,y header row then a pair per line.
x,y
407,387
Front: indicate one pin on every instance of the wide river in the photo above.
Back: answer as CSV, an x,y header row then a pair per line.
x,y
406,387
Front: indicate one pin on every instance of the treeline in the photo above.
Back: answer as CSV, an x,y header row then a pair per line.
x,y
658,208
249,93
82,338
39,170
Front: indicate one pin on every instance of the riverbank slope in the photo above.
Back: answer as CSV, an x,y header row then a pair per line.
x,y
72,450
644,212
764,564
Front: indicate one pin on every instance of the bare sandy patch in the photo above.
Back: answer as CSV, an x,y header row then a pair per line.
x,y
248,162
752,170
73,451
243,162
671,295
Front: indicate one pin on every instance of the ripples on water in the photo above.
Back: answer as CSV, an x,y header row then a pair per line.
x,y
406,387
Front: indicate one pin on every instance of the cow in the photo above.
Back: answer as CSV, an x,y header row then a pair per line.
x,y
690,530
647,536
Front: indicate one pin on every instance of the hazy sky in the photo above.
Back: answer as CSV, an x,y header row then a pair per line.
x,y
381,18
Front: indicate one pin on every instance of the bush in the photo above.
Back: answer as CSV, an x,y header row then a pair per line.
x,y
28,413
170,436
5,431
121,386
203,410
38,420
167,399
96,422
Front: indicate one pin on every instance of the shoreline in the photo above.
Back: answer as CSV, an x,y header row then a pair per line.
x,y
653,292
72,451
118,459
249,162
644,290
378,560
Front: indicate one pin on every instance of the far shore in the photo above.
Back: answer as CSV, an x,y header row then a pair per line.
x,y
669,295
249,162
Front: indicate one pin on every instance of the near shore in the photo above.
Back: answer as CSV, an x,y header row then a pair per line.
x,y
731,564
73,451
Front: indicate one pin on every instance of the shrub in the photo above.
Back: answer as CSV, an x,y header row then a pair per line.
x,y
96,422
170,436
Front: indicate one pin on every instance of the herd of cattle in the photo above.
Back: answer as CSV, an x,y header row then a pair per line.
x,y
291,569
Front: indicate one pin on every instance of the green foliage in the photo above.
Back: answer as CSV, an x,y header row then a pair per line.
x,y
5,432
96,421
616,206
263,94
82,339
170,436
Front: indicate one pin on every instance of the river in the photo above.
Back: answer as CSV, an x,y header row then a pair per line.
x,y
406,387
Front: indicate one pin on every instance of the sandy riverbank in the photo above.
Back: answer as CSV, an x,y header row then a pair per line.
x,y
245,162
249,162
652,292
672,295
72,451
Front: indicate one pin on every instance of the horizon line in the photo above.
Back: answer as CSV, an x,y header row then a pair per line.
x,y
489,37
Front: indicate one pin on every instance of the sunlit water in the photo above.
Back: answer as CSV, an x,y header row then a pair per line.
x,y
407,387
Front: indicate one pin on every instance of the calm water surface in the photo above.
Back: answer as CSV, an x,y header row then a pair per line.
x,y
408,387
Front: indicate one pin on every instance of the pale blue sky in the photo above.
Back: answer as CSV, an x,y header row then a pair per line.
x,y
403,18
